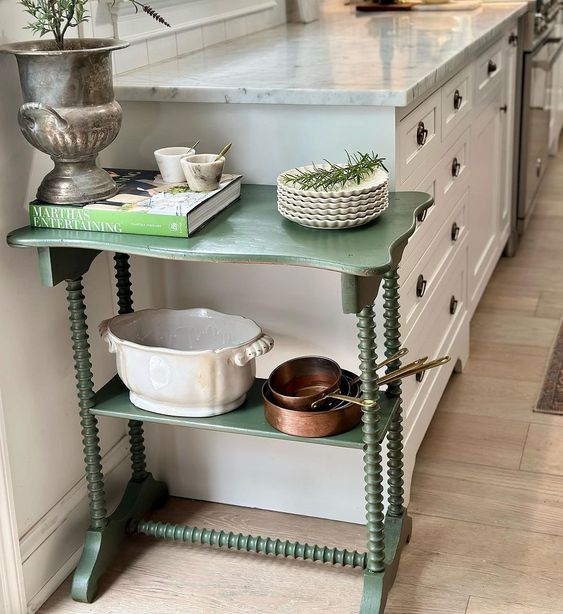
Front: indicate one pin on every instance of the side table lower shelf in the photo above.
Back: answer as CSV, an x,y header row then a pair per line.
x,y
113,400
142,495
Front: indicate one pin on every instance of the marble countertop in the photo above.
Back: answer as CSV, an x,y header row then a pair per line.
x,y
383,59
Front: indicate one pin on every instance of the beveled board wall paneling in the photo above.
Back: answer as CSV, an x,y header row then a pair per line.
x,y
195,24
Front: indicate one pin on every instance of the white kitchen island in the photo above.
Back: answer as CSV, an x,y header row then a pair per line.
x,y
425,90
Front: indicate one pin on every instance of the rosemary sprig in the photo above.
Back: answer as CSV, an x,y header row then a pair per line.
x,y
357,168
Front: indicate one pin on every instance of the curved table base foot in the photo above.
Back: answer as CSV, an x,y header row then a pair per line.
x,y
377,585
101,545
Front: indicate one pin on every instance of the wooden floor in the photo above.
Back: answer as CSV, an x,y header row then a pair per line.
x,y
487,498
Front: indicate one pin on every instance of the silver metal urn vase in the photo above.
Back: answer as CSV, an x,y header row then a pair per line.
x,y
70,113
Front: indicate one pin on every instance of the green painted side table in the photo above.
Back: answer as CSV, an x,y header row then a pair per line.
x,y
251,231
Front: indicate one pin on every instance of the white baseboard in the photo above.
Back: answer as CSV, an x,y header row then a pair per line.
x,y
51,548
54,582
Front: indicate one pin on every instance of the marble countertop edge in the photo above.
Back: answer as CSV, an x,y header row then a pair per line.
x,y
139,92
171,85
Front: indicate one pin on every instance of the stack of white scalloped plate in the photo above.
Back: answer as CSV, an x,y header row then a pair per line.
x,y
352,205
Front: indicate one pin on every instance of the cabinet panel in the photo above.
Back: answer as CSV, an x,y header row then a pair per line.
x,y
453,169
556,98
436,326
486,179
489,70
507,193
419,136
447,191
457,101
425,278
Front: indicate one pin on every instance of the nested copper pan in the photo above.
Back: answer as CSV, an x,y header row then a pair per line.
x,y
299,382
342,418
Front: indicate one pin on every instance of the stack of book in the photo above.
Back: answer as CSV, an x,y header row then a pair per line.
x,y
144,205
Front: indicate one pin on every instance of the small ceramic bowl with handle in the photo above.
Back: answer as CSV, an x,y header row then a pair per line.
x,y
192,363
203,172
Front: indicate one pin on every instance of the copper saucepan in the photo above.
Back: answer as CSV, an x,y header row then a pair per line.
x,y
299,382
339,419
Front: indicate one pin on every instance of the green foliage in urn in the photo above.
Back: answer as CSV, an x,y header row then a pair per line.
x,y
57,16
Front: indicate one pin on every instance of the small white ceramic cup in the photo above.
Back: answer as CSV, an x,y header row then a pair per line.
x,y
203,173
168,160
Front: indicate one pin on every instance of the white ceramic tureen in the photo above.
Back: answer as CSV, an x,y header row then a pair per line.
x,y
190,363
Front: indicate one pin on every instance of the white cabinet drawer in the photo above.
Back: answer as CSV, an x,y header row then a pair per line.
x,y
419,136
457,101
417,289
453,169
446,191
489,70
436,328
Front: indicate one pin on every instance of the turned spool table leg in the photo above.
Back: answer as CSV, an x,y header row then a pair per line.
x,y
372,447
85,388
125,304
142,493
373,597
392,334
386,535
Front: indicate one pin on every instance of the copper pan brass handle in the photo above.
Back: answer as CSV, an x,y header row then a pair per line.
x,y
343,397
400,374
404,369
411,369
387,379
391,359
380,365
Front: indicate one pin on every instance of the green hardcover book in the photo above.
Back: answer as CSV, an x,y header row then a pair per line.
x,y
143,205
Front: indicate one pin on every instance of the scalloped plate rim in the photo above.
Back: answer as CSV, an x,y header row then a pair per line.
x,y
375,180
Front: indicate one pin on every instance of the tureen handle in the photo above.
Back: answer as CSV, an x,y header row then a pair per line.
x,y
261,346
106,336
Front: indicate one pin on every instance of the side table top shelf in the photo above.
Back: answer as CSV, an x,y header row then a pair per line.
x,y
252,231
113,400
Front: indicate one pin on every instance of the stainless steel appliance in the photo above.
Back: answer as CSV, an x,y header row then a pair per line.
x,y
540,51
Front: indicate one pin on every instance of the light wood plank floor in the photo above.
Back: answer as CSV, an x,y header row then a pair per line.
x,y
487,498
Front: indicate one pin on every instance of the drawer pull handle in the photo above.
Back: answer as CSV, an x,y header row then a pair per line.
x,y
422,216
458,98
455,231
513,39
456,167
491,67
420,376
504,108
421,134
453,305
420,286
